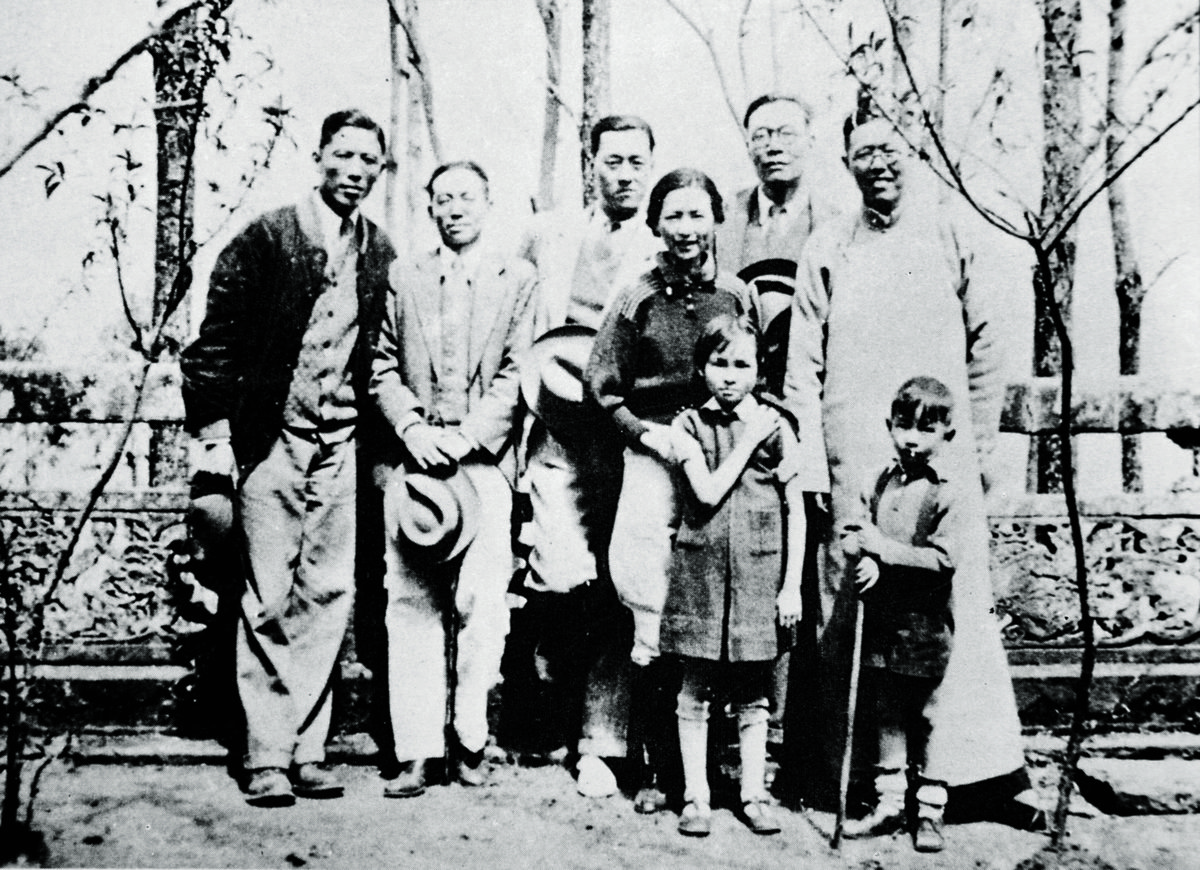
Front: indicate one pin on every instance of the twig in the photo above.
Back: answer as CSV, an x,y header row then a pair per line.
x,y
706,38
166,18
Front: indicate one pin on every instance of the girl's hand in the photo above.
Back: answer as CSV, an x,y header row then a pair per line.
x,y
686,449
657,439
871,540
789,606
851,541
866,574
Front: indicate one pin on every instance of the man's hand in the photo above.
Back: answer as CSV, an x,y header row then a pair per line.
x,y
424,444
866,574
454,444
851,542
658,440
212,456
789,605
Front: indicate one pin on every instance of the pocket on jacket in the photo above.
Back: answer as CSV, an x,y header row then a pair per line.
x,y
764,532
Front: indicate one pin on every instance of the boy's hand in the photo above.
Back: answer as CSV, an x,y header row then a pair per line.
x,y
657,439
866,574
789,605
761,425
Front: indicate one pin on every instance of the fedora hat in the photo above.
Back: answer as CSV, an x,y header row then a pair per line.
x,y
552,377
434,515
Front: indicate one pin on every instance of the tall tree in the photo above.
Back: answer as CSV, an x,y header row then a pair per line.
x,y
1129,287
551,16
1062,158
185,58
596,85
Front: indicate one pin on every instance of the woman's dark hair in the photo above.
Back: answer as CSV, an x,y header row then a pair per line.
x,y
350,118
678,179
719,332
923,402
469,165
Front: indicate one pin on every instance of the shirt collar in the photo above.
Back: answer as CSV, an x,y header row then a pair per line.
x,y
934,471
740,410
330,224
878,220
600,220
469,259
765,204
677,282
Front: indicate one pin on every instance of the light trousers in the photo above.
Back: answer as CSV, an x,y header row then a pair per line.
x,y
426,599
298,520
639,556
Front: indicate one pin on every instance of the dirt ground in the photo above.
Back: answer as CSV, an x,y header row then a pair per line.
x,y
194,816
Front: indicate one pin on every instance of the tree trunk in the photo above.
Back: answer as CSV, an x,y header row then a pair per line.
x,y
1129,287
1062,156
396,217
552,22
596,100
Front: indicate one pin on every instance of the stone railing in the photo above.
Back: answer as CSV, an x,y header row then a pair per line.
x,y
116,619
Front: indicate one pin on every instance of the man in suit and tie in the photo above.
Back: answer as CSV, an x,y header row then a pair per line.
x,y
765,228
579,629
275,389
445,378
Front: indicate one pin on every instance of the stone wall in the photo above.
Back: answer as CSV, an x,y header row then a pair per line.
x,y
122,651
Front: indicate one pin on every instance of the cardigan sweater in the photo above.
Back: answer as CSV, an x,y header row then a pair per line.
x,y
641,369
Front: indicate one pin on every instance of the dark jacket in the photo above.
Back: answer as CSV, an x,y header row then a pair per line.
x,y
261,295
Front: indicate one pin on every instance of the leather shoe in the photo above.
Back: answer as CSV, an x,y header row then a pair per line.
x,y
928,836
695,820
594,778
269,787
314,781
882,820
760,818
410,782
471,769
649,800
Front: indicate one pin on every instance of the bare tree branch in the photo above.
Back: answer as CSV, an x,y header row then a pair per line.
x,y
743,32
706,37
167,16
419,62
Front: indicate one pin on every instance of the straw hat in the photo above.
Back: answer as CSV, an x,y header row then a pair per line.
x,y
435,515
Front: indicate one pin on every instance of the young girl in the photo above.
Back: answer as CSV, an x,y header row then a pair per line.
x,y
734,566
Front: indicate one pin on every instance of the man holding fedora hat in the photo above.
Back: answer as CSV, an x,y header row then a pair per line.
x,y
445,378
581,632
275,390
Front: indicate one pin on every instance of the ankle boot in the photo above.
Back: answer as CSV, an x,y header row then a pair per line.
x,y
888,815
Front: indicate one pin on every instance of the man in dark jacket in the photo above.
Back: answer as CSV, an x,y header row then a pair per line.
x,y
275,389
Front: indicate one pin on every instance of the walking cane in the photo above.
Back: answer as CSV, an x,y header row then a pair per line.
x,y
851,710
451,626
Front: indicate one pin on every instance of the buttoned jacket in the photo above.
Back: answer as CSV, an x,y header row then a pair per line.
x,y
500,326
261,296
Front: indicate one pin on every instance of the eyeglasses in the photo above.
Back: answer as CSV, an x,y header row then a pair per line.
x,y
761,136
865,157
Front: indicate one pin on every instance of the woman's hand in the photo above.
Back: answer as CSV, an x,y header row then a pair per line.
x,y
658,440
761,425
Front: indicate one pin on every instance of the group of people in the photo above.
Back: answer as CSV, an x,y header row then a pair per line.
x,y
724,419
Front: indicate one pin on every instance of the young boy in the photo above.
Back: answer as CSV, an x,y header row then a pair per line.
x,y
907,545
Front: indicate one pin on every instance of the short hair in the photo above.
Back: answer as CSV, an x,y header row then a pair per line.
x,y
678,179
469,165
923,401
765,99
617,123
350,118
719,332
867,108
